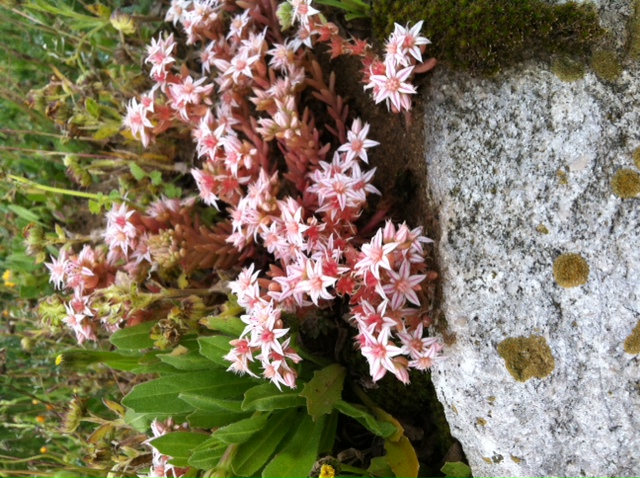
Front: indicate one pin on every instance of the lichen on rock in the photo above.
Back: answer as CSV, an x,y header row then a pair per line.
x,y
570,270
632,343
626,183
527,357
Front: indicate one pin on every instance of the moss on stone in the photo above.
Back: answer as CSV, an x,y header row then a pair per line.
x,y
570,270
626,183
606,65
542,229
481,421
567,69
636,157
485,36
527,357
515,459
632,343
634,32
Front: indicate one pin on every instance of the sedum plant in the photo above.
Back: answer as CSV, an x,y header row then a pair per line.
x,y
280,235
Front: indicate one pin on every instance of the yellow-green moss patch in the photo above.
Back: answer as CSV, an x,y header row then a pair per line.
x,y
570,270
515,459
481,421
542,229
527,357
485,36
632,343
606,65
636,157
634,32
567,69
626,183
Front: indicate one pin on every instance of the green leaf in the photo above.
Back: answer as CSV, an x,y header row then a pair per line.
x,y
106,131
156,178
192,360
207,455
215,348
178,445
160,396
136,171
299,455
133,338
212,404
141,421
324,390
379,428
24,213
267,397
402,457
226,324
329,434
242,430
456,469
208,419
92,107
380,467
254,453
95,207
172,191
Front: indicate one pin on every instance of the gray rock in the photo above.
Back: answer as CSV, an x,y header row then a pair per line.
x,y
520,170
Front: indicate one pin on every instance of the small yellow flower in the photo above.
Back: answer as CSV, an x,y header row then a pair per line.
x,y
6,277
44,450
41,419
35,401
59,359
327,471
5,313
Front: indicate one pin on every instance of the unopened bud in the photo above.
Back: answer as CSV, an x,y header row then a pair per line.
x,y
123,22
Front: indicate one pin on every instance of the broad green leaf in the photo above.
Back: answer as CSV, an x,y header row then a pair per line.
x,y
254,453
192,360
329,434
267,397
242,430
226,324
386,417
207,455
208,419
401,457
380,467
141,421
456,469
136,171
379,428
178,445
324,390
212,404
299,455
161,395
215,348
133,338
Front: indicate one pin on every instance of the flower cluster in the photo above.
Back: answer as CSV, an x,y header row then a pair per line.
x,y
263,160
135,245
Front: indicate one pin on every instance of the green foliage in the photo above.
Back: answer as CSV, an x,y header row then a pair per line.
x,y
324,390
353,8
456,469
485,36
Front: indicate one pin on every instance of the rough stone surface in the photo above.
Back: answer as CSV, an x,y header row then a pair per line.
x,y
520,169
